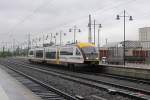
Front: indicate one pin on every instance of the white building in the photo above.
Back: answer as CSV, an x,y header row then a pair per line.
x,y
144,37
144,34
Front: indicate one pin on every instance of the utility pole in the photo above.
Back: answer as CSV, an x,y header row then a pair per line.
x,y
98,40
3,49
13,47
106,40
94,25
74,30
90,33
29,43
94,31
60,34
99,37
21,49
124,19
36,45
60,37
43,40
55,39
51,37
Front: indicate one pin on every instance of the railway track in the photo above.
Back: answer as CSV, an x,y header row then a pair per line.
x,y
110,87
45,91
130,79
137,80
64,95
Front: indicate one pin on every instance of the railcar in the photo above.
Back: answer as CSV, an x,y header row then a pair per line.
x,y
36,55
80,53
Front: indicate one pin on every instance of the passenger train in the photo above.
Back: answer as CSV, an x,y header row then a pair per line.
x,y
73,54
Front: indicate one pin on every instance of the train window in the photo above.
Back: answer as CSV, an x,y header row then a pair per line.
x,y
51,55
39,53
89,50
78,52
66,51
31,53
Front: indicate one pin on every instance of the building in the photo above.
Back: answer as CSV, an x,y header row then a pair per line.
x,y
144,34
134,52
144,37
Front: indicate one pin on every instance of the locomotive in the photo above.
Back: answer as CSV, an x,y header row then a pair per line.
x,y
72,54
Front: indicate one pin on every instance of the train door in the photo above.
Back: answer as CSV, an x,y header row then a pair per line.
x,y
78,57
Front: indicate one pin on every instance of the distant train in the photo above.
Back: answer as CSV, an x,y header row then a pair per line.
x,y
80,53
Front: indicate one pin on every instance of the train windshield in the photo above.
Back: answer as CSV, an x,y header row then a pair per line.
x,y
88,50
90,53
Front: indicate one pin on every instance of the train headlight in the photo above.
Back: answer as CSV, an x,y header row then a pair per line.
x,y
87,58
97,58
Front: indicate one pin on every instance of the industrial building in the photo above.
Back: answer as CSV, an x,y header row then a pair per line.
x,y
144,34
135,52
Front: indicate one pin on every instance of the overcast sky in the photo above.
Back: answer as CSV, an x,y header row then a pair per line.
x,y
37,17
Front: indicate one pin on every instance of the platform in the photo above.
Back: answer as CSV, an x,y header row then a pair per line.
x,y
11,89
130,65
142,66
130,70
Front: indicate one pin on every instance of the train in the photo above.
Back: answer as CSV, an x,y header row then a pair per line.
x,y
72,54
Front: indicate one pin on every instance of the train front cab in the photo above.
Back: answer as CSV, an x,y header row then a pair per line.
x,y
90,53
30,55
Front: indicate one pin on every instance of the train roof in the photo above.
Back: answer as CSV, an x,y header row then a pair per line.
x,y
80,45
85,44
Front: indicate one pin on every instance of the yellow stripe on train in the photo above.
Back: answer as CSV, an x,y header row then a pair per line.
x,y
83,45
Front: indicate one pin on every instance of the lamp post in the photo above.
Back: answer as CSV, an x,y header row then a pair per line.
x,y
55,39
124,17
43,40
51,37
74,30
60,34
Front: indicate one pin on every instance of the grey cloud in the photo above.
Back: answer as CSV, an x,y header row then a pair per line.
x,y
19,17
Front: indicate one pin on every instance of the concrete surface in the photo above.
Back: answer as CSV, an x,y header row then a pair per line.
x,y
132,71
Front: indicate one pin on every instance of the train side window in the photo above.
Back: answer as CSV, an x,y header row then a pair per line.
x,y
78,52
31,53
51,55
39,53
66,51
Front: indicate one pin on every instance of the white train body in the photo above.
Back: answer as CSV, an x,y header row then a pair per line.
x,y
81,53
